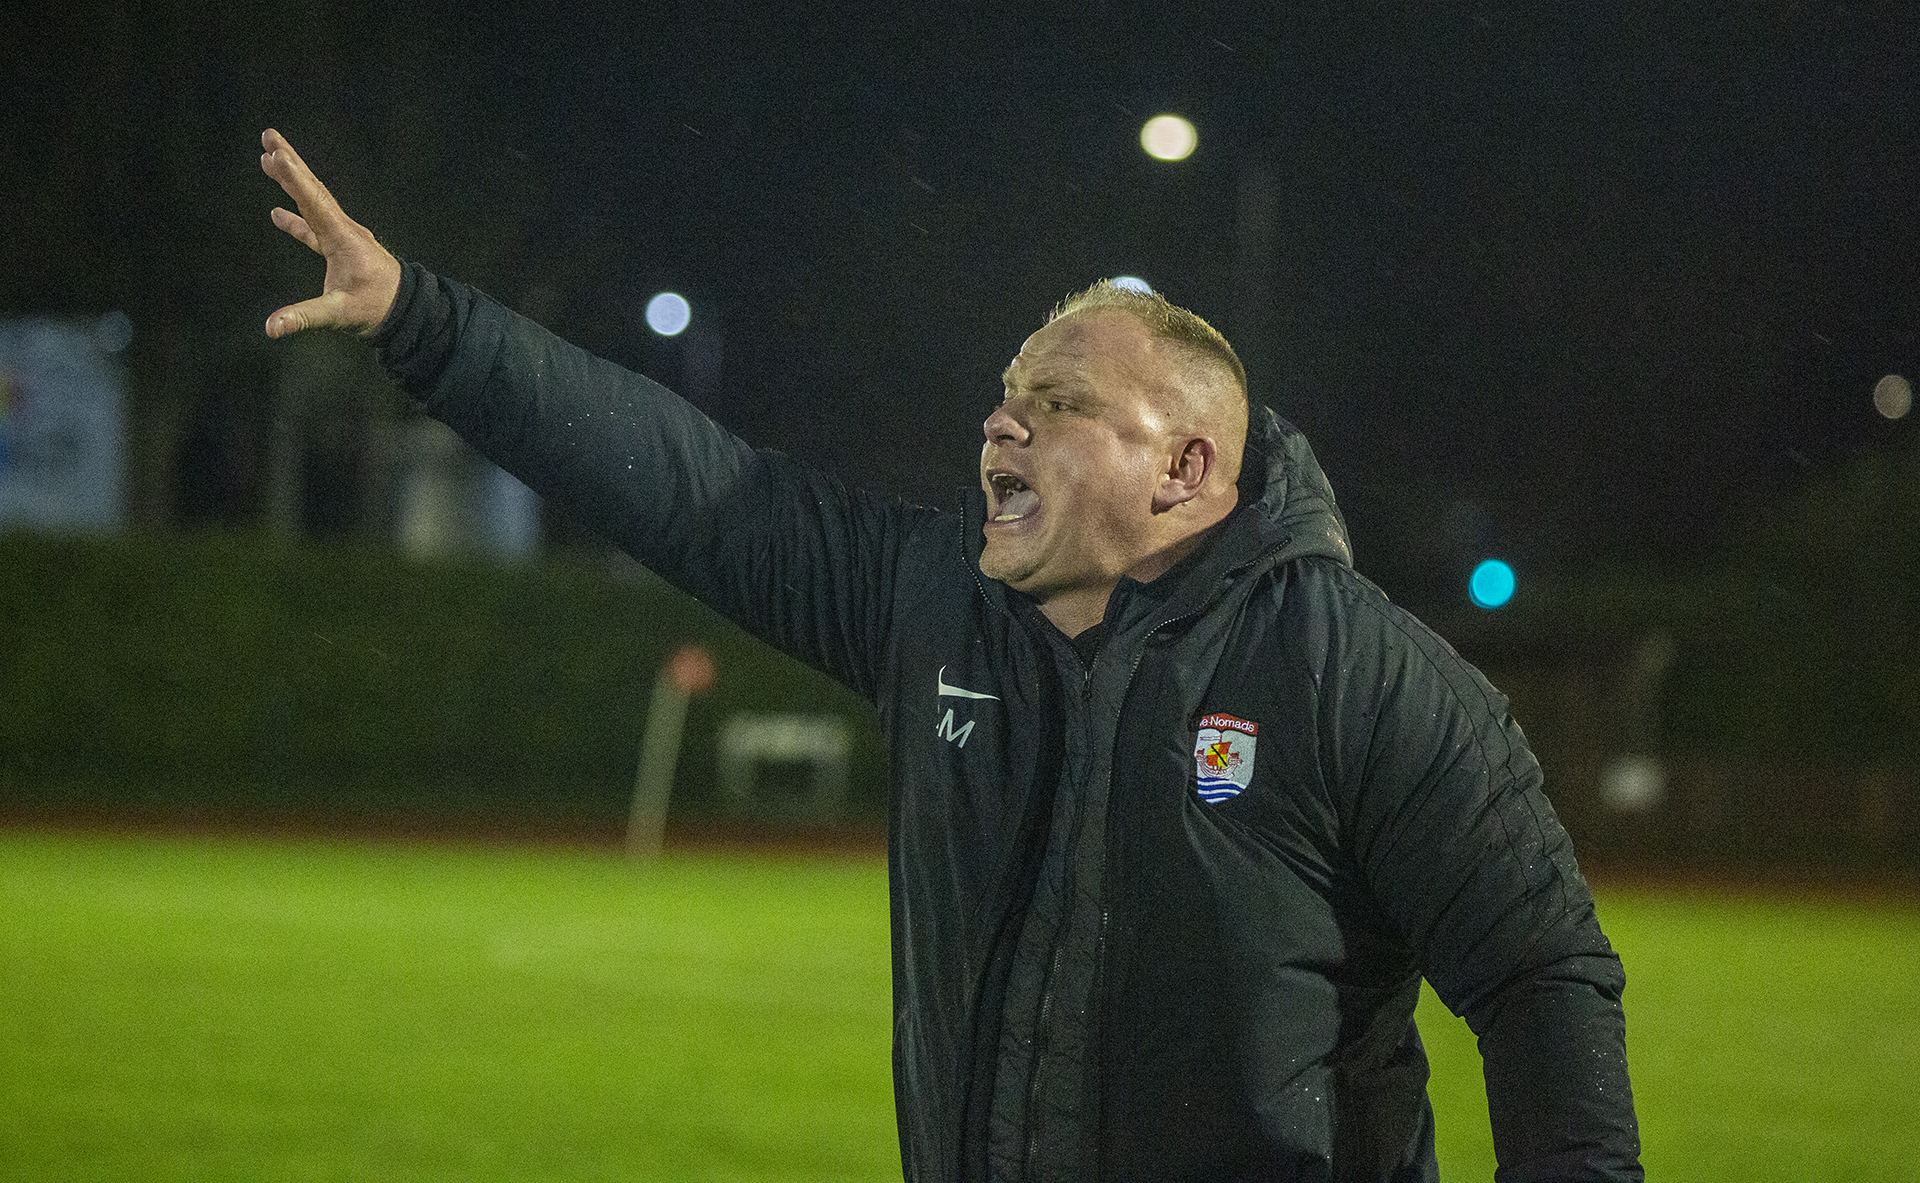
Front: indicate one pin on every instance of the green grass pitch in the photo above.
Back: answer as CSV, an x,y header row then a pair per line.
x,y
208,1009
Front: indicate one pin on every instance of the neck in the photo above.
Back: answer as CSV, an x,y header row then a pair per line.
x,y
1075,610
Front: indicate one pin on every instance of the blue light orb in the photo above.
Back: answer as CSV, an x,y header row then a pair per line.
x,y
1132,283
668,314
1491,584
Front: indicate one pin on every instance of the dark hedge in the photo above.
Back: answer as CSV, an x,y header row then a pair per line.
x,y
219,672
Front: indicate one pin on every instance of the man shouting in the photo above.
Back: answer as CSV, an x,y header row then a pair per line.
x,y
1182,809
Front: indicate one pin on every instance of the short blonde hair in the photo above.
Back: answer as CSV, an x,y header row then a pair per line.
x,y
1163,318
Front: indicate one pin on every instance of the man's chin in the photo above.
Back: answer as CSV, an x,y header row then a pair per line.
x,y
996,563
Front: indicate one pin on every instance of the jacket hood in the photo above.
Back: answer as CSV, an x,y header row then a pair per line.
x,y
1284,496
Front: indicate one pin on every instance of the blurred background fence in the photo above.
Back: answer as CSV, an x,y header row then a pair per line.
x,y
1739,722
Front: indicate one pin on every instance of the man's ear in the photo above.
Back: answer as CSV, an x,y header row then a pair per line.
x,y
1185,475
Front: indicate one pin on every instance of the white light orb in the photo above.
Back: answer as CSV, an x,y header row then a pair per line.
x,y
1132,283
1169,137
1893,396
1633,784
669,314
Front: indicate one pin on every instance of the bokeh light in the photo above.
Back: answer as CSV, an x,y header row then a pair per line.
x,y
669,314
1491,584
1632,784
1893,396
1132,283
1169,137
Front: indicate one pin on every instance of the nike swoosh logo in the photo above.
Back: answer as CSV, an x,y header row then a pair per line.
x,y
946,691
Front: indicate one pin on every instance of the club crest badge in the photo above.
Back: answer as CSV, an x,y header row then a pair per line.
x,y
1223,757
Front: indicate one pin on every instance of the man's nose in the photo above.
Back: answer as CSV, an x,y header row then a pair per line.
x,y
1003,426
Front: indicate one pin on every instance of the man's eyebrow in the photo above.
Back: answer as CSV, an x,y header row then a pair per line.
x,y
1045,380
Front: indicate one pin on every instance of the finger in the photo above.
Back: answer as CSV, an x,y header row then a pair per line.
x,y
297,226
284,165
294,176
318,313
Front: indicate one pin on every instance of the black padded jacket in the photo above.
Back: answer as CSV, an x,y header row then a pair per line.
x,y
1162,916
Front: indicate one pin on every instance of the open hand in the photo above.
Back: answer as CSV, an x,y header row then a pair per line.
x,y
362,276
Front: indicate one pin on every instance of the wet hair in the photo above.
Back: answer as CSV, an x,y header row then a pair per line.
x,y
1163,319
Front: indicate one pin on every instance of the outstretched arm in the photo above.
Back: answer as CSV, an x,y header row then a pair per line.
x,y
362,277
780,548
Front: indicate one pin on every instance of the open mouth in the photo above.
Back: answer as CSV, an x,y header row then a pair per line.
x,y
1012,498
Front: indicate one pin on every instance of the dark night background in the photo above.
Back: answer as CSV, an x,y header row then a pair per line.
x,y
1604,290
1569,288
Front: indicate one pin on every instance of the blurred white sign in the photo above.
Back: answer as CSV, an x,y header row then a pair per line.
x,y
820,741
61,423
452,500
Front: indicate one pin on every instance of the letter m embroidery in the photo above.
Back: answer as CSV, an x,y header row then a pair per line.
x,y
946,730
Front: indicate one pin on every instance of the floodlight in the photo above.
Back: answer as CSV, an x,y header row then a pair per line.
x,y
1893,396
1169,137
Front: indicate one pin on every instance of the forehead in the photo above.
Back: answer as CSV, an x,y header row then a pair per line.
x,y
1098,345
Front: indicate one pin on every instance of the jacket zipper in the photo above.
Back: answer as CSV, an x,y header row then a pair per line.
x,y
1095,1005
1067,883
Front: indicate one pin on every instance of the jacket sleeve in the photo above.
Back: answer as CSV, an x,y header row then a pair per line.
x,y
1464,855
781,549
